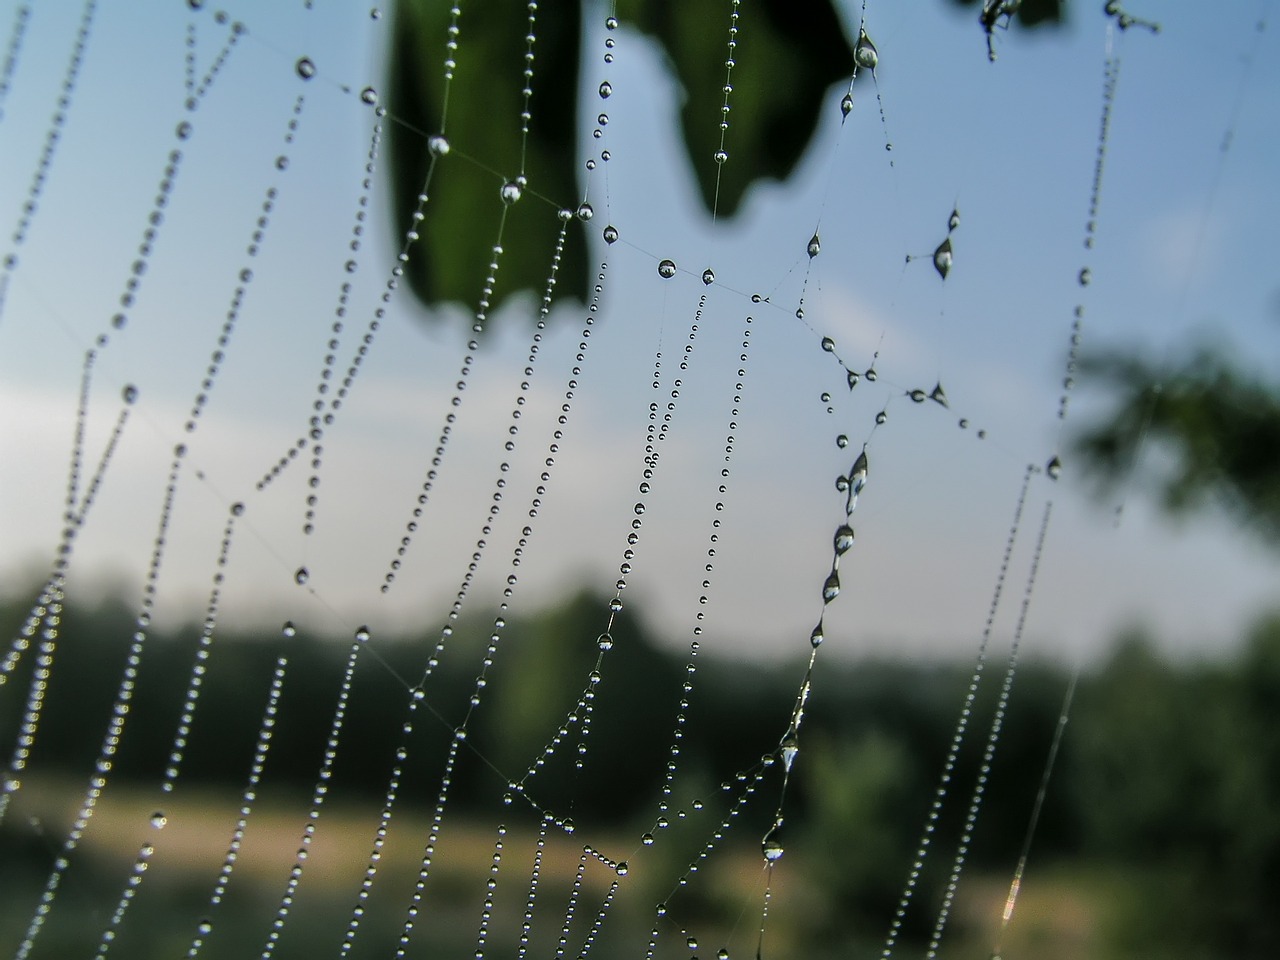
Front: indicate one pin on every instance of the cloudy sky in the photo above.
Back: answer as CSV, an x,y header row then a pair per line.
x,y
1183,255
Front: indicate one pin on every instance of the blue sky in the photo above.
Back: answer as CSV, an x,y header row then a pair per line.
x,y
1183,255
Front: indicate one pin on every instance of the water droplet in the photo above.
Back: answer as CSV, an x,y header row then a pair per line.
x,y
843,540
611,23
282,162
647,839
438,145
306,68
158,820
129,393
942,258
606,90
964,423
816,636
301,576
918,395
815,245
1086,275
828,345
1054,468
667,269
362,634
882,416
691,943
375,13
858,475
938,395
842,441
621,869
184,130
585,212
511,192
831,587
288,630
611,234
605,641
204,927
789,748
954,220
865,53
369,95
870,374
771,846
615,605
846,106
708,276
853,378
722,954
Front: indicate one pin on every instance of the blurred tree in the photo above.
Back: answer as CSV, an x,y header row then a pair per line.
x,y
796,52
1219,426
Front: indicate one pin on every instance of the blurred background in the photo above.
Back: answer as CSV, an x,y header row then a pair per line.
x,y
447,402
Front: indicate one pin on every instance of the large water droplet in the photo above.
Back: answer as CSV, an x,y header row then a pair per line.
x,y
816,637
771,846
369,95
301,576
708,276
438,145
1054,468
306,68
288,630
610,234
853,378
1086,275
865,52
667,269
789,748
858,475
831,587
815,245
511,192
606,90
585,212
938,395
362,634
828,345
843,540
846,106
158,820
605,641
942,258
918,395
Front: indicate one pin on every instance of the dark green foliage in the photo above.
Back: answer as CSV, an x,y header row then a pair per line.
x,y
1219,427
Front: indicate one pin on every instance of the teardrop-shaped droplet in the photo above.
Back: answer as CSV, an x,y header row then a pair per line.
x,y
853,378
667,269
438,145
865,52
831,587
301,576
691,943
708,276
870,374
511,192
129,393
306,68
918,395
606,90
816,636
610,234
815,245
1054,468
858,475
843,539
288,631
771,845
882,416
158,820
362,634
828,345
938,395
942,258
954,220
369,95
846,106
605,641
